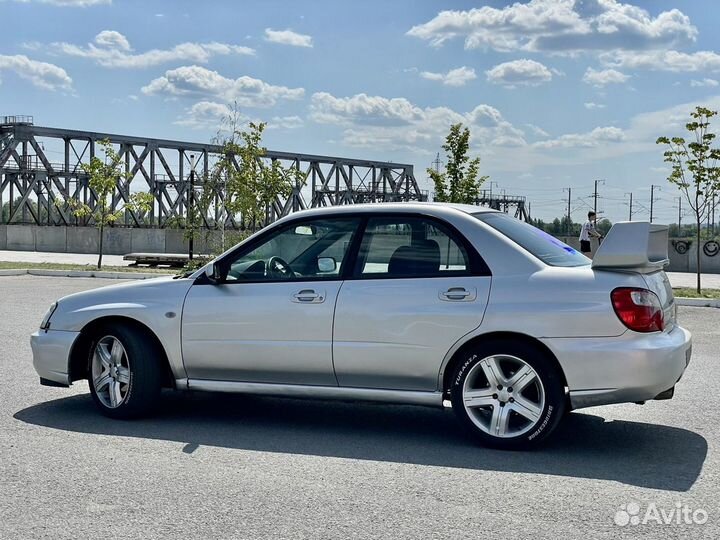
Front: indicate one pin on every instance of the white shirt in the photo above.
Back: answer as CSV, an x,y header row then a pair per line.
x,y
588,230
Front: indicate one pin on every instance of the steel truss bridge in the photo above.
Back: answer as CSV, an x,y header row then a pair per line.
x,y
42,165
506,203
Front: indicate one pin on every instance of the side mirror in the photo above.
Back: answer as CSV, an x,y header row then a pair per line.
x,y
326,264
211,273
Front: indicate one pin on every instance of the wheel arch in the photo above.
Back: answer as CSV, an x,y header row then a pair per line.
x,y
79,354
449,367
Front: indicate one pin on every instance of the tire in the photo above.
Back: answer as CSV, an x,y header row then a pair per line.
x,y
494,412
124,372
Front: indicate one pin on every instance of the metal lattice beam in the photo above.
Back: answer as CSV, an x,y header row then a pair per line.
x,y
31,180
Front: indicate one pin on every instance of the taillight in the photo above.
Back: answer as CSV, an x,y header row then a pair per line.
x,y
638,309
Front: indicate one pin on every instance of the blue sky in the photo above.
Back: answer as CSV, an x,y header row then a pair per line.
x,y
557,93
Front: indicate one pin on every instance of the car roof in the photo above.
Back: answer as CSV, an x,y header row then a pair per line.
x,y
400,207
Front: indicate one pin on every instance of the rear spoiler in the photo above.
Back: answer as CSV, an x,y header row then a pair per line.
x,y
634,245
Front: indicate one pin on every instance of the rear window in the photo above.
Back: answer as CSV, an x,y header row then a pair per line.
x,y
544,246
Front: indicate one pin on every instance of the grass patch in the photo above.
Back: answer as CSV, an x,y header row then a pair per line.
x,y
687,292
6,265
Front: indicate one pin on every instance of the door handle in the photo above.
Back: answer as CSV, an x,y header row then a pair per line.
x,y
309,296
458,294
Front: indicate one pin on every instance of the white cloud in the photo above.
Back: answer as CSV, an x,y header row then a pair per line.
x,y
705,82
196,81
363,109
676,61
69,3
522,72
288,37
604,77
540,132
563,26
285,122
204,114
455,77
112,49
112,40
591,139
40,74
393,123
592,105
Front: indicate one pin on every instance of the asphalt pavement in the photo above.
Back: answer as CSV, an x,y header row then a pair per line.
x,y
239,467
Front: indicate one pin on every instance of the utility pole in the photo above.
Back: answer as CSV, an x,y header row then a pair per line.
x,y
631,207
652,199
595,194
436,163
191,207
679,216
491,185
567,225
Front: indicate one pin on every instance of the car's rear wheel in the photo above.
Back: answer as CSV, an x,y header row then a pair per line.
x,y
124,372
508,395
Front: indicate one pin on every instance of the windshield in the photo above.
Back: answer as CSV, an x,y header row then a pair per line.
x,y
544,246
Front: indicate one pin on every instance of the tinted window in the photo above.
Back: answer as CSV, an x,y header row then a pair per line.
x,y
313,249
410,247
544,246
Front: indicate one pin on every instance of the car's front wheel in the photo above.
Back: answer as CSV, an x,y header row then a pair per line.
x,y
509,395
124,372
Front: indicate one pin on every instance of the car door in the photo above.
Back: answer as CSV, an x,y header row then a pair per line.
x,y
417,288
270,317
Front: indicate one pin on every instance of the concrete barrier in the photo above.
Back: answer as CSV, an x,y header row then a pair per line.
x,y
175,241
51,239
82,240
147,240
21,237
117,241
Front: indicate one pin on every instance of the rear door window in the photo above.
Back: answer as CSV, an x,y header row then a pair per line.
x,y
410,247
544,246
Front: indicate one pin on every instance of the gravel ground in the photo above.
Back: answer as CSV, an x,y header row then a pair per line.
x,y
250,467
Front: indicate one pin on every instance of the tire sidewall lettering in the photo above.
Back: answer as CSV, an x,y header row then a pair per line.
x,y
543,425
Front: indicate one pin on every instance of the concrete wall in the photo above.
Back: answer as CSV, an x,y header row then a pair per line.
x,y
117,241
120,241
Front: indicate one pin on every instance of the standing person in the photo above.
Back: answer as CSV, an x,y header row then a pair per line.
x,y
588,230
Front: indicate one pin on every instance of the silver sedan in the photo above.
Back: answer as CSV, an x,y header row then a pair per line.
x,y
426,304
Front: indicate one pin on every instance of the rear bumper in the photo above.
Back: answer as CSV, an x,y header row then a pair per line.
x,y
632,367
51,354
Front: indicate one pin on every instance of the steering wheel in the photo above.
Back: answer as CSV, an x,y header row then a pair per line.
x,y
277,268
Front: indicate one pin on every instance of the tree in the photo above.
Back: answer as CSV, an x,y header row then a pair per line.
x,y
250,186
695,169
103,177
459,183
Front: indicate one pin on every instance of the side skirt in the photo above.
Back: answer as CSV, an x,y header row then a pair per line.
x,y
409,397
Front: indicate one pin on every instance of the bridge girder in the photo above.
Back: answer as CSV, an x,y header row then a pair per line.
x,y
30,180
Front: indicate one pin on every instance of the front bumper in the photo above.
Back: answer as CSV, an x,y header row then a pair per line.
x,y
632,367
51,354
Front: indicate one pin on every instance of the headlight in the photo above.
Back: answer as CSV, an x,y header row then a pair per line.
x,y
45,324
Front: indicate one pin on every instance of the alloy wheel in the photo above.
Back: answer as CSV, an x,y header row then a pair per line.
x,y
110,372
503,396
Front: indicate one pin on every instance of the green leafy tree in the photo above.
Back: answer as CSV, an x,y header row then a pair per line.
x,y
249,186
460,182
103,177
694,168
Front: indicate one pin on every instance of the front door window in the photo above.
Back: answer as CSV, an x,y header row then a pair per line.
x,y
304,251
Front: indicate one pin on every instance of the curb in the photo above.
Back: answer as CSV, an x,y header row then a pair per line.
x,y
79,273
698,302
